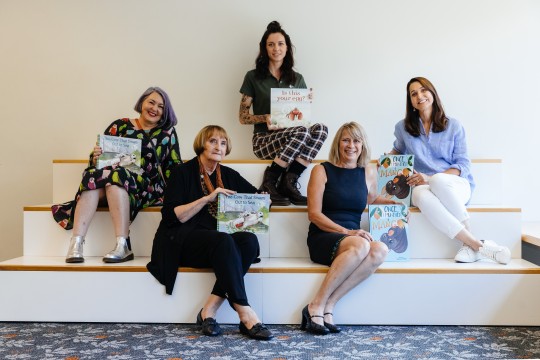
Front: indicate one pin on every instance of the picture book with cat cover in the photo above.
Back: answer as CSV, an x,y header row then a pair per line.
x,y
392,175
389,223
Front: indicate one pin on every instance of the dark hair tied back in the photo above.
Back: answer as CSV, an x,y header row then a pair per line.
x,y
273,27
262,61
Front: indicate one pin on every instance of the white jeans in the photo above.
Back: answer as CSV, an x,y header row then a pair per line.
x,y
443,201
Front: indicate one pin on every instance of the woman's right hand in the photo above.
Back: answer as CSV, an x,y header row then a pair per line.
x,y
187,211
362,233
418,178
96,153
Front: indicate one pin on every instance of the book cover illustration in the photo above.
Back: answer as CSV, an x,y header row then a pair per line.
x,y
120,151
388,223
290,107
243,212
392,176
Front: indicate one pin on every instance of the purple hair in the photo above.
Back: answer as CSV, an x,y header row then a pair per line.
x,y
168,119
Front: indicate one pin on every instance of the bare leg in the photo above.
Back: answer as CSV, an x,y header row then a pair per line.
x,y
283,164
85,210
118,200
280,162
211,306
303,161
372,261
468,239
247,315
352,251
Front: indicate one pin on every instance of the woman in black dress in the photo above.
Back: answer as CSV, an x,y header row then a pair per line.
x,y
338,192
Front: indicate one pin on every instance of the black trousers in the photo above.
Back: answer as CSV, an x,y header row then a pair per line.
x,y
230,255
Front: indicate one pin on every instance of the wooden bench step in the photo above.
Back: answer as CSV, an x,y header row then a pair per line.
x,y
275,265
420,292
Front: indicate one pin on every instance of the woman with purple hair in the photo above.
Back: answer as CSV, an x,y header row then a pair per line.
x,y
125,190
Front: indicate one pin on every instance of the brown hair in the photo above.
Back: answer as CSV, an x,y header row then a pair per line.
x,y
438,117
206,133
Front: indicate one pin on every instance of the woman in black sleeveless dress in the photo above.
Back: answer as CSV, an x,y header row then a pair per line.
x,y
338,192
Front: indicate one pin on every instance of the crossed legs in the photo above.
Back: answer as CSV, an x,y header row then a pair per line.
x,y
230,256
356,259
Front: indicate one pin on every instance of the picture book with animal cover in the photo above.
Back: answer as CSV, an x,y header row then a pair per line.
x,y
290,107
392,177
243,212
388,223
120,151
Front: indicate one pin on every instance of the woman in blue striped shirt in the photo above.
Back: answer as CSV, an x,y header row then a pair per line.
x,y
442,179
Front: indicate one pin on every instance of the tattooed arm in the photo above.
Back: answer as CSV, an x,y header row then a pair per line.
x,y
248,119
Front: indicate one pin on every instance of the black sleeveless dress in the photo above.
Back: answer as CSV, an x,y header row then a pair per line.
x,y
344,201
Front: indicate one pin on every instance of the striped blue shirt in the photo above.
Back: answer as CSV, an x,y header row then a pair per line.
x,y
437,152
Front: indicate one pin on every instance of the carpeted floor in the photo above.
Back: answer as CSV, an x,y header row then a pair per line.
x,y
183,341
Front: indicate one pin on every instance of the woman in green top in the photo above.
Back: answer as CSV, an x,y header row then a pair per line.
x,y
291,149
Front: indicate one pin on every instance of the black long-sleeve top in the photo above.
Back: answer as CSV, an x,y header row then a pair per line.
x,y
184,186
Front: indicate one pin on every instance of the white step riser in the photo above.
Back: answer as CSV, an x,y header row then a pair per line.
x,y
288,232
407,299
488,177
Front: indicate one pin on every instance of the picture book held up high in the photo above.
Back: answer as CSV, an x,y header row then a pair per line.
x,y
290,107
119,151
392,176
243,212
388,223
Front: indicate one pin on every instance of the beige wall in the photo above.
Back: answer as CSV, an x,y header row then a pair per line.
x,y
68,68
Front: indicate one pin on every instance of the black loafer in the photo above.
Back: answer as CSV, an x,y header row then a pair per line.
x,y
209,326
259,331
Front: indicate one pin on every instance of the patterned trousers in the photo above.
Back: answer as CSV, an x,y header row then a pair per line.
x,y
289,143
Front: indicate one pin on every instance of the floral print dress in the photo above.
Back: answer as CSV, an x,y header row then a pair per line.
x,y
143,190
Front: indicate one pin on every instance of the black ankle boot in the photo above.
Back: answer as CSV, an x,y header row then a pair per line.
x,y
269,185
289,187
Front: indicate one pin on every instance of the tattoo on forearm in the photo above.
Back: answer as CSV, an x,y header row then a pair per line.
x,y
245,117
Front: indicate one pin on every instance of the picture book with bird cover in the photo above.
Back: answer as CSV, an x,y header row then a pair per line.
x,y
290,107
392,176
243,212
119,151
389,223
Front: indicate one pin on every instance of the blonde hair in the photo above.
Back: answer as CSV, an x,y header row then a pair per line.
x,y
206,133
357,132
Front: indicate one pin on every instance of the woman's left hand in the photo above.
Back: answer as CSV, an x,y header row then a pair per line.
x,y
212,196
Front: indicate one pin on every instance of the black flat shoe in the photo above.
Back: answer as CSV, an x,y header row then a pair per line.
x,y
209,326
259,331
310,326
332,327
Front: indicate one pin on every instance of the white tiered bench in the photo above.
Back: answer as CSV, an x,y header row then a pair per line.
x,y
429,289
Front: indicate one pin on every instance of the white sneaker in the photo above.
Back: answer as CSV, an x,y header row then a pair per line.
x,y
491,250
467,255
